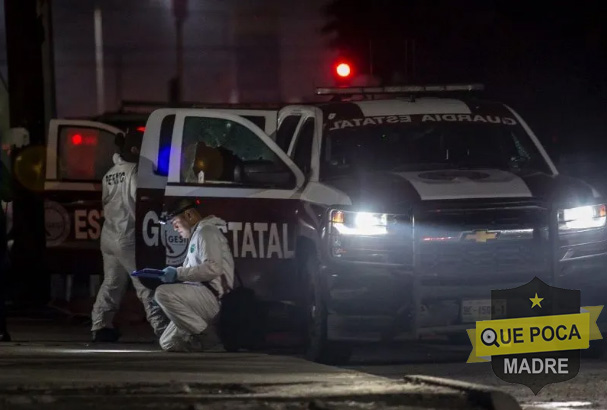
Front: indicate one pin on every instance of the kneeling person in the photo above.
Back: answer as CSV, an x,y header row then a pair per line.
x,y
206,275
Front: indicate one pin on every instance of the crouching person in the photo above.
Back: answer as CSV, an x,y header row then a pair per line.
x,y
190,296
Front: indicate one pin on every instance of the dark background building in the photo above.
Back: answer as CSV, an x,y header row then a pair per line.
x,y
233,51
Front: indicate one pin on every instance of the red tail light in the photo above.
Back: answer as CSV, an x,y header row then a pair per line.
x,y
76,139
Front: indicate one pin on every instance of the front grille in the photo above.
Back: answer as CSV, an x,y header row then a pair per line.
x,y
518,244
495,258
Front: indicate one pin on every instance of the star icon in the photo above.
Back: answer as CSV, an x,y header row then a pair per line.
x,y
536,301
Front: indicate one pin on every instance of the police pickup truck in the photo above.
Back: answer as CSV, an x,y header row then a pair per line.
x,y
379,219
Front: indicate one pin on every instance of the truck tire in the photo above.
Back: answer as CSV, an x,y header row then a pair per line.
x,y
317,347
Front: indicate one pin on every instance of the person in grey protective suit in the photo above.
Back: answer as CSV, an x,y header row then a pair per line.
x,y
118,244
206,275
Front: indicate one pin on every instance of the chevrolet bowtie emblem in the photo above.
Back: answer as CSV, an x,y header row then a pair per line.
x,y
480,236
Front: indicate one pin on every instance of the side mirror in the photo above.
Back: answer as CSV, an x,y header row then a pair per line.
x,y
267,173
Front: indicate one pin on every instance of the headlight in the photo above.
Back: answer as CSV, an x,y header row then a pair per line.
x,y
583,217
359,223
369,237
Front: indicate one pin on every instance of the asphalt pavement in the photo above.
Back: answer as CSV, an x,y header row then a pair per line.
x,y
52,365
588,390
53,362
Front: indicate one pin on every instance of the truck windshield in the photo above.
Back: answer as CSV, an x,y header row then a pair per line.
x,y
416,145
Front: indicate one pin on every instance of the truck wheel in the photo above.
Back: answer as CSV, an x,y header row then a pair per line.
x,y
318,348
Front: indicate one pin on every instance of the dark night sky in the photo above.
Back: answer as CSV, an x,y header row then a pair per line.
x,y
547,59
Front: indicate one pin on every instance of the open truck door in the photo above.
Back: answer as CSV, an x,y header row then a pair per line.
x,y
159,245
78,154
254,188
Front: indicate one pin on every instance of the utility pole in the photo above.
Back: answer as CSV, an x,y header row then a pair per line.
x,y
48,63
97,17
28,46
232,24
118,69
180,11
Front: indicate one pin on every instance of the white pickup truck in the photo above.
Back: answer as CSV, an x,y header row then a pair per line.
x,y
374,219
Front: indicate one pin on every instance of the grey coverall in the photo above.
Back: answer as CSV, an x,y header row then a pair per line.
x,y
190,306
118,248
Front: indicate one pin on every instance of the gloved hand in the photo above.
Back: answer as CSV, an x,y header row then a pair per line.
x,y
170,275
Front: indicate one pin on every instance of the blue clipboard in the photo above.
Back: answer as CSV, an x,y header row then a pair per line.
x,y
148,273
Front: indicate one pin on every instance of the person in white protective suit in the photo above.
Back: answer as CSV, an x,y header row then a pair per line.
x,y
119,187
207,274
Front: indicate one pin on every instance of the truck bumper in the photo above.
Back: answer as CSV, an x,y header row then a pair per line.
x,y
369,303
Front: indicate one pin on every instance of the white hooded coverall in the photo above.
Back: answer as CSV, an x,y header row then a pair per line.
x,y
119,188
190,305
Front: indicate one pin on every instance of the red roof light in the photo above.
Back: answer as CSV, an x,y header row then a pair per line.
x,y
343,70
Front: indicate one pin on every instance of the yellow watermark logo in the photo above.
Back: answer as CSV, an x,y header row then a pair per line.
x,y
535,334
